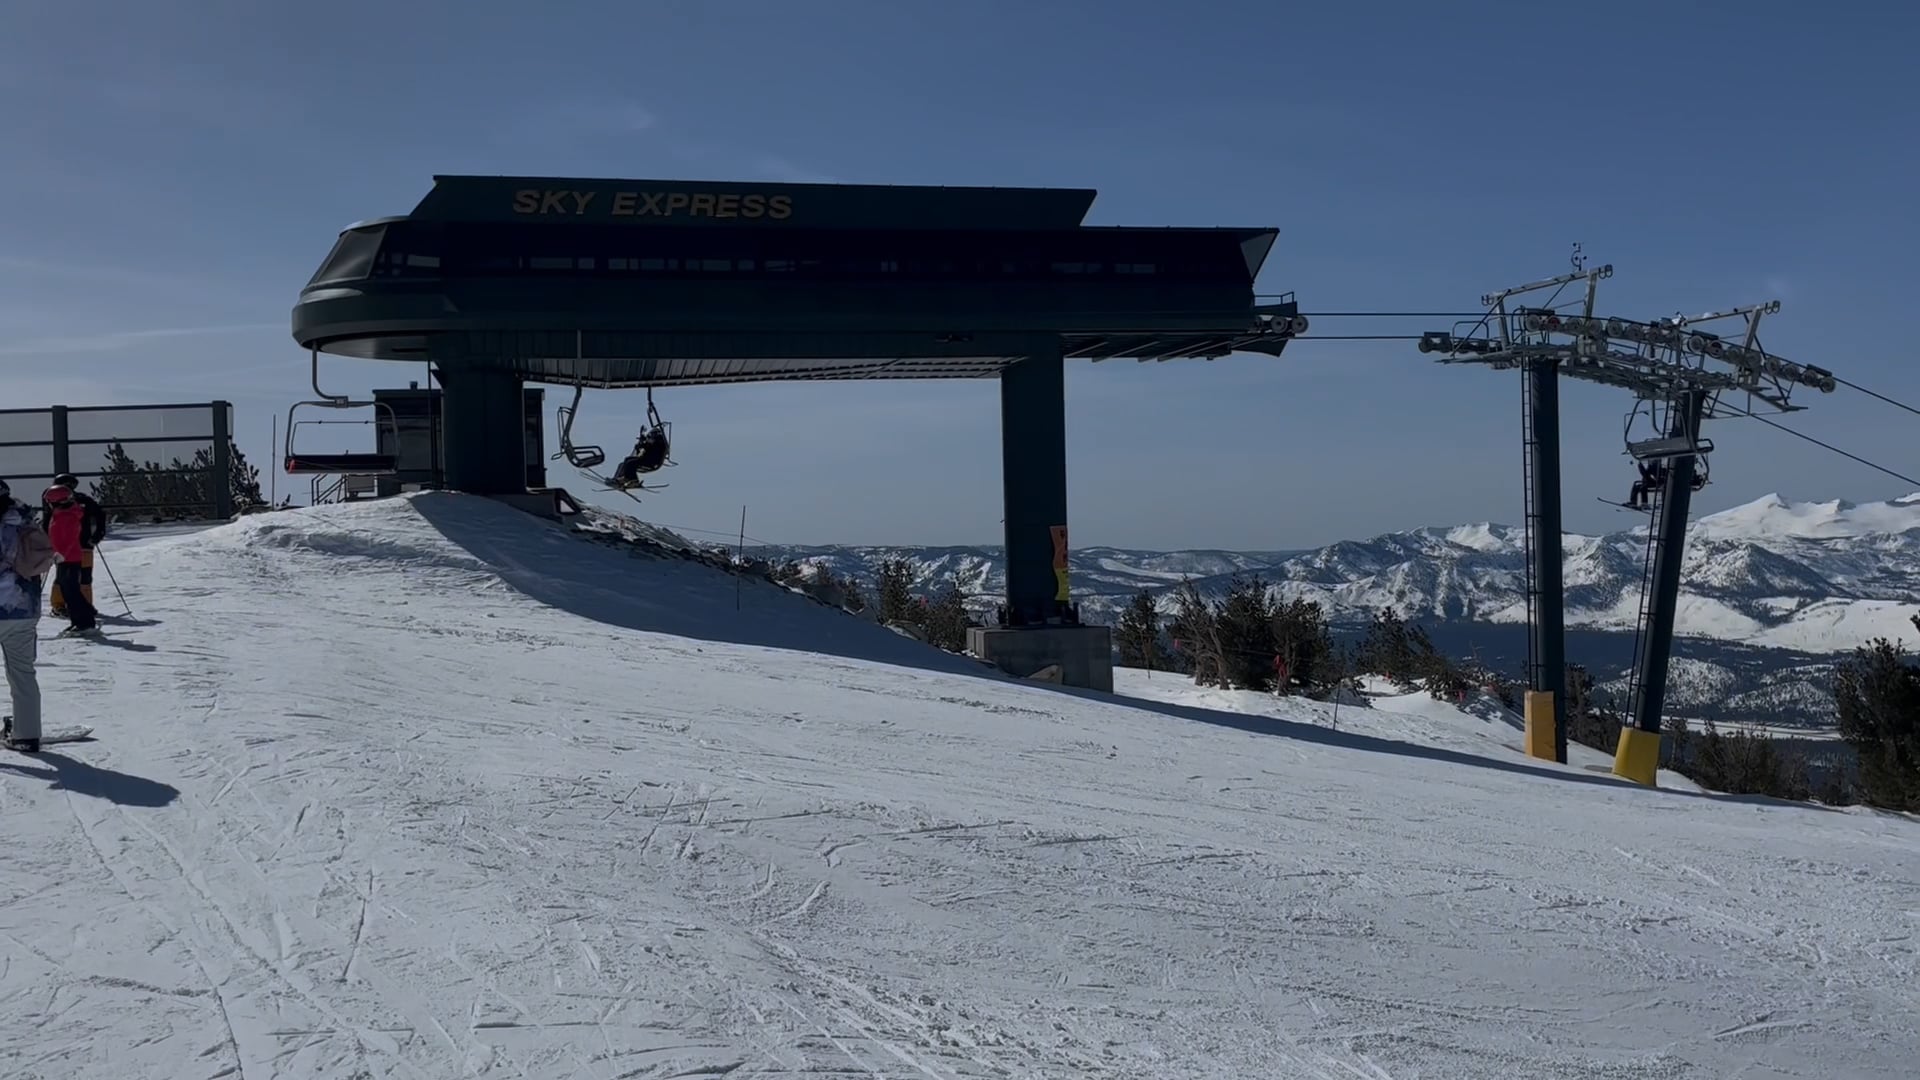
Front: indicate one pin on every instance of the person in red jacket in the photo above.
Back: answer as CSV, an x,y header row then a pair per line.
x,y
66,525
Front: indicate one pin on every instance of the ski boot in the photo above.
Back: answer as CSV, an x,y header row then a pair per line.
x,y
24,746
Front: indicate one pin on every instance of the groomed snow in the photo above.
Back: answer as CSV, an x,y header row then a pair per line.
x,y
428,788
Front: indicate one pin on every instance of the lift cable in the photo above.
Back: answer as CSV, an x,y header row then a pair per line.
x,y
1828,446
1393,314
1872,394
1358,337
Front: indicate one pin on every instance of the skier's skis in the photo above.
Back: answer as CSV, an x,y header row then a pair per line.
x,y
609,485
74,733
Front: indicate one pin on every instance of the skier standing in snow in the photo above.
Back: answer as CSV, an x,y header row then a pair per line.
x,y
66,525
93,529
19,624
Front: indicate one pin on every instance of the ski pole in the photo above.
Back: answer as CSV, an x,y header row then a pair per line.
x,y
101,556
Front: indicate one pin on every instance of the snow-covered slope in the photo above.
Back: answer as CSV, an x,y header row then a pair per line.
x,y
429,788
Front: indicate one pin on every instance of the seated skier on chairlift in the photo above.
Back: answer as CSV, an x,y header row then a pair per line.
x,y
649,451
1653,475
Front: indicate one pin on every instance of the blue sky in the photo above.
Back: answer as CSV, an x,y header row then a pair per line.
x,y
172,180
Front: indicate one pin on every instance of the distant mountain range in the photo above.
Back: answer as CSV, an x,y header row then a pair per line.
x,y
1771,591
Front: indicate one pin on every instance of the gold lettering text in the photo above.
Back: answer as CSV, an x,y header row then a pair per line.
x,y
653,204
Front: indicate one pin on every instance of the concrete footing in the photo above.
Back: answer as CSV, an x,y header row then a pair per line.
x,y
1078,656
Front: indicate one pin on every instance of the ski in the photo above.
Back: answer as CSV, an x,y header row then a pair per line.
x,y
609,485
1624,506
76,733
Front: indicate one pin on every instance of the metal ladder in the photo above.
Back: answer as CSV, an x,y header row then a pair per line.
x,y
1654,499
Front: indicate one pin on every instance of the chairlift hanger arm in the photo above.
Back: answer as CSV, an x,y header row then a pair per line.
x,y
335,401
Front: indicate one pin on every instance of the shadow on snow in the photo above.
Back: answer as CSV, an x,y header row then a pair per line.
x,y
69,774
663,595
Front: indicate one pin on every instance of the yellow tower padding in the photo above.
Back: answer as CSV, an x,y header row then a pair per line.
x,y
1540,725
1638,756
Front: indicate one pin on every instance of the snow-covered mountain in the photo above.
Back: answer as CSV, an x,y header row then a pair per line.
x,y
1771,590
429,788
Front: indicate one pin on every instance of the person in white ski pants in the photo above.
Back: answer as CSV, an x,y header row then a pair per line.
x,y
19,626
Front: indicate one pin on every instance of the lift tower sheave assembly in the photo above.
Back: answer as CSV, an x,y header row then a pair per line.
x,y
1680,373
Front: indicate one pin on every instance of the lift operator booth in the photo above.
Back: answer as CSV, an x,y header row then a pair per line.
x,y
499,281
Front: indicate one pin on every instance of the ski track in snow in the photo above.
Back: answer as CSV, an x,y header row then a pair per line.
x,y
368,810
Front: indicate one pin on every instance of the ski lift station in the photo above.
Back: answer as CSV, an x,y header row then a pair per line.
x,y
497,282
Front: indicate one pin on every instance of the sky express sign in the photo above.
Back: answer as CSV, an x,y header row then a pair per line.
x,y
538,202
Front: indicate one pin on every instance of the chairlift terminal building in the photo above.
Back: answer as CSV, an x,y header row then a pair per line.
x,y
501,281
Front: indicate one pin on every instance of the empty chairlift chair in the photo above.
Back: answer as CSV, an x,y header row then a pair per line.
x,y
358,463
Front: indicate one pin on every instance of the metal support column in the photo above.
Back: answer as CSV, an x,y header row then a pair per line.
x,y
1638,757
484,427
1670,545
220,484
1033,462
1547,617
62,449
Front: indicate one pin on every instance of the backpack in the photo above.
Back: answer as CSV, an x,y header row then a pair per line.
x,y
33,553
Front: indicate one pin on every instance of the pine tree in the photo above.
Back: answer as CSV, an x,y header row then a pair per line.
x,y
1244,621
895,586
945,619
1138,635
1387,651
244,481
1195,636
1301,637
1877,692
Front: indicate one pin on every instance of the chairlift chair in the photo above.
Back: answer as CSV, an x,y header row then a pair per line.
x,y
652,451
373,464
1662,449
580,457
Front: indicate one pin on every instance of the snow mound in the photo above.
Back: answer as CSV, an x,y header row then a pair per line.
x,y
430,788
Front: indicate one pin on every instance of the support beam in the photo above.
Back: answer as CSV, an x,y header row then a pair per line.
x,y
1548,616
1639,752
1042,637
483,424
1033,462
220,484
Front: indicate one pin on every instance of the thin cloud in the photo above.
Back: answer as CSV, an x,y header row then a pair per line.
x,y
28,266
115,340
780,168
569,121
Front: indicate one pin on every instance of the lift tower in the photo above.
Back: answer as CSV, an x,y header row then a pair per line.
x,y
1679,374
